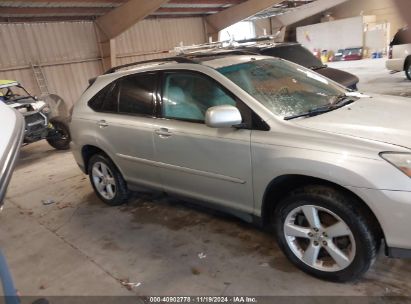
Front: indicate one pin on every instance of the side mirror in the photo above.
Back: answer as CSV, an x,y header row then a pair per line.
x,y
223,117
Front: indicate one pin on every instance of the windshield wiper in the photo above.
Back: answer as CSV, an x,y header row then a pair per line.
x,y
342,100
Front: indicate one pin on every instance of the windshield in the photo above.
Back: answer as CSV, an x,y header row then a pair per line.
x,y
295,53
284,88
13,93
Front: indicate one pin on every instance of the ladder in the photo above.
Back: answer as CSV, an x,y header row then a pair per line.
x,y
40,78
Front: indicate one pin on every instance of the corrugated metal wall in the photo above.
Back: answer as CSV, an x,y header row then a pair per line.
x,y
157,36
69,53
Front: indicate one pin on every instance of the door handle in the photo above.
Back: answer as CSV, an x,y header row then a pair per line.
x,y
163,132
102,124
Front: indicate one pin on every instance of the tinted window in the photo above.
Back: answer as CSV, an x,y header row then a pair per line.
x,y
294,53
403,36
136,94
188,96
106,100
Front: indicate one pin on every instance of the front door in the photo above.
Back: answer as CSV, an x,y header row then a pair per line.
x,y
197,161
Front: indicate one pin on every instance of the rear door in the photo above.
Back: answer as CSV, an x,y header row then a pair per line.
x,y
126,125
208,164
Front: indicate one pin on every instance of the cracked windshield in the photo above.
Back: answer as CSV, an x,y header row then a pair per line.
x,y
284,88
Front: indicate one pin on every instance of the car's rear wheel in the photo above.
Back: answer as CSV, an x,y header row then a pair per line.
x,y
107,181
323,232
408,68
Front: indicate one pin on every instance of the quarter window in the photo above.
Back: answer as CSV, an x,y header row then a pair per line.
x,y
136,94
106,100
187,96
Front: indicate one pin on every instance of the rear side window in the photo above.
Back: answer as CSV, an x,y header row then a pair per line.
x,y
106,100
136,94
403,36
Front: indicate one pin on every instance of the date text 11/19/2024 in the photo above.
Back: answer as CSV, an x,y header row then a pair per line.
x,y
203,299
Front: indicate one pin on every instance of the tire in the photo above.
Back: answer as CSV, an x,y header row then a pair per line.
x,y
314,252
60,137
408,68
119,193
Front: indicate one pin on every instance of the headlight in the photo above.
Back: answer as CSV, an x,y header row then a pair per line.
x,y
400,160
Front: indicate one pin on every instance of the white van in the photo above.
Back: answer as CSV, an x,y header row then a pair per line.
x,y
399,56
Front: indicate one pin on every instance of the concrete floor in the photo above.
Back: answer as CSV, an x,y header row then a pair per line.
x,y
375,78
78,246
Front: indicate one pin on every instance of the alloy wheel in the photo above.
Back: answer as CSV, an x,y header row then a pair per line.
x,y
103,180
319,238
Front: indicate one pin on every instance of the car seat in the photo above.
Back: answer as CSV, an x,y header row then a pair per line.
x,y
177,105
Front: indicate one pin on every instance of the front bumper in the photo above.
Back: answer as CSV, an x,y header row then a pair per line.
x,y
36,127
393,211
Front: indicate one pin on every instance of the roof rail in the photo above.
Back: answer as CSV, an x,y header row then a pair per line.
x,y
220,52
181,50
257,39
178,59
224,45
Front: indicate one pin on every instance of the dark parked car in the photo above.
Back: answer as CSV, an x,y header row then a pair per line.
x,y
295,52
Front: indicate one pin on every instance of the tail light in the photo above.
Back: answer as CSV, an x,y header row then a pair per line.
x,y
390,53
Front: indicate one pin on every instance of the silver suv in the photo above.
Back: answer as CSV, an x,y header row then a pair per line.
x,y
326,169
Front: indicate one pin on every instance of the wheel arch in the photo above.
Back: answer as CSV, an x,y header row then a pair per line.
x,y
280,186
88,151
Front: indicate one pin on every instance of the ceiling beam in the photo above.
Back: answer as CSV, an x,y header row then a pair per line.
x,y
234,14
211,2
44,11
305,11
53,10
188,2
72,1
194,10
174,16
120,19
46,19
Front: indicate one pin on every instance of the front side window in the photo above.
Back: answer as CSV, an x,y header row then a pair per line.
x,y
187,96
282,87
136,94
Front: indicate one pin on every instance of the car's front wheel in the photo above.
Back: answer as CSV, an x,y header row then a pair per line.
x,y
323,232
107,181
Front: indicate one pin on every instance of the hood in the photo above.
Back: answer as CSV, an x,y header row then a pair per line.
x,y
346,79
380,118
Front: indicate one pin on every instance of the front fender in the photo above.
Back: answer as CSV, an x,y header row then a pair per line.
x,y
271,162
